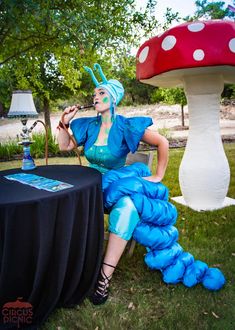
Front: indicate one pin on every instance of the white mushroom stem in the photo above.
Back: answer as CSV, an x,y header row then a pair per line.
x,y
204,173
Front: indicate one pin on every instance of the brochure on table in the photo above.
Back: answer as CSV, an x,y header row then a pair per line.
x,y
39,182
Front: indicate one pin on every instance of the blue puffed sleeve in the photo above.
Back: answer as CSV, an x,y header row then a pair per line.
x,y
84,130
134,130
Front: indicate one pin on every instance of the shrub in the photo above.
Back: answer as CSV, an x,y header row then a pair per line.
x,y
12,150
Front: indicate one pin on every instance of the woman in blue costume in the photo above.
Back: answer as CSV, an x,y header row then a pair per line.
x,y
107,139
137,200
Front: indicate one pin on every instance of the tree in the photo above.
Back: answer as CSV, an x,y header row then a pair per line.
x,y
174,96
205,9
46,43
27,25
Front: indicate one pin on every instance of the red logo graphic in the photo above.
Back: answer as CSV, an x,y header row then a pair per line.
x,y
17,312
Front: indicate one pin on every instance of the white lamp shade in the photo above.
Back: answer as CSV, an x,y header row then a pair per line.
x,y
22,104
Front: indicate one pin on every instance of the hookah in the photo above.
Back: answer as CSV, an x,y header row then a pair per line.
x,y
22,106
28,162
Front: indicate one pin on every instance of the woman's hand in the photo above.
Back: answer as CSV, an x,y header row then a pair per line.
x,y
69,113
153,178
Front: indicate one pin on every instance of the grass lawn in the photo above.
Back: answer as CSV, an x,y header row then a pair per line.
x,y
139,299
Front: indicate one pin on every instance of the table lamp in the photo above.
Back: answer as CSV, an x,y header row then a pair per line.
x,y
22,106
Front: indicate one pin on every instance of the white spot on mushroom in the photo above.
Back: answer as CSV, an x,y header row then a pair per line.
x,y
168,42
196,27
143,54
232,45
198,55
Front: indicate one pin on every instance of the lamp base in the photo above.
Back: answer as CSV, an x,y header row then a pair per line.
x,y
27,162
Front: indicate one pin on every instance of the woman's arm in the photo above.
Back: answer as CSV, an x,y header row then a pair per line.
x,y
64,142
156,139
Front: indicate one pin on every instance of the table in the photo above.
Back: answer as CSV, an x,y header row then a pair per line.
x,y
51,243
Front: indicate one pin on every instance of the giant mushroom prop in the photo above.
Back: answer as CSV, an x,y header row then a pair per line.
x,y
199,56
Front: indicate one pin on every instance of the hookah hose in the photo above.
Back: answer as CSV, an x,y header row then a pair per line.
x,y
46,143
66,130
46,138
79,107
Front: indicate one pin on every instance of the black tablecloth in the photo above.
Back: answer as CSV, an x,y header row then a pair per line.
x,y
50,242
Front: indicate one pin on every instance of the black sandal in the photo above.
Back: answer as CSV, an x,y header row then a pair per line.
x,y
101,291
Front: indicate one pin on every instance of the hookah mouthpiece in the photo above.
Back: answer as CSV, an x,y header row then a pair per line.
x,y
86,106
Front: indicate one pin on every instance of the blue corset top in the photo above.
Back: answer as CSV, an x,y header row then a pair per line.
x,y
100,158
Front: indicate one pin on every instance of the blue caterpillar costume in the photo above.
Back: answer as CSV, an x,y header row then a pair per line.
x,y
138,207
155,230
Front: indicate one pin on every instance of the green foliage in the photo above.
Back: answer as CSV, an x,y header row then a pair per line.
x,y
170,17
9,149
44,44
175,96
169,96
229,91
76,25
206,9
39,145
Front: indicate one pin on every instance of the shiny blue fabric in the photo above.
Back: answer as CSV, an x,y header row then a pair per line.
x,y
123,218
124,136
101,159
156,230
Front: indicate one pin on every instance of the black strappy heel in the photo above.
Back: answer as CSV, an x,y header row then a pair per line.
x,y
101,291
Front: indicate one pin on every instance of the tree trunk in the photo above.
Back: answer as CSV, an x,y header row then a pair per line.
x,y
46,110
132,97
182,114
1,110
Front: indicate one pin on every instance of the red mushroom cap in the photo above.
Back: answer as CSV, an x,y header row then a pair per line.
x,y
189,48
